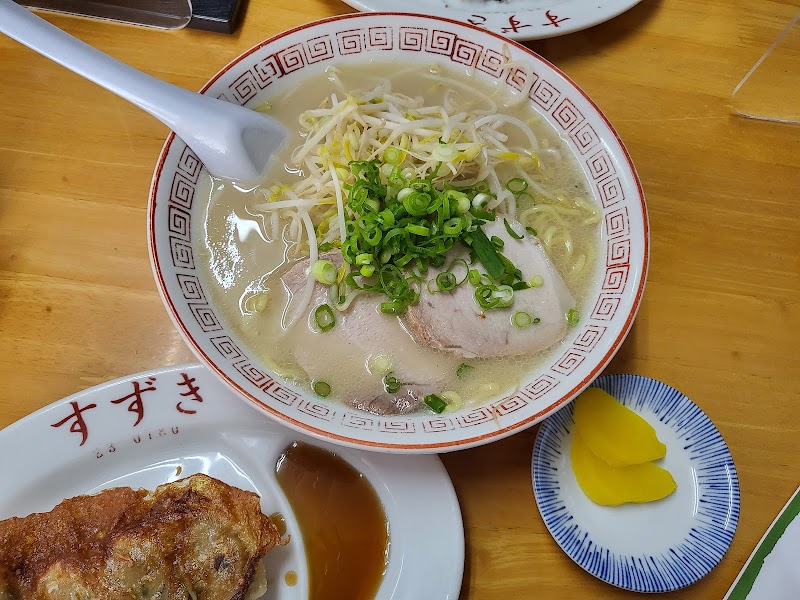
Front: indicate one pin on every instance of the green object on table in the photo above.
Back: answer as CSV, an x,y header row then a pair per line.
x,y
744,583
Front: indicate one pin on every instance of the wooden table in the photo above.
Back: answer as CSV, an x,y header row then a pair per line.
x,y
720,318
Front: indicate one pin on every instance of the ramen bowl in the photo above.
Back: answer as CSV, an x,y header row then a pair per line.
x,y
283,63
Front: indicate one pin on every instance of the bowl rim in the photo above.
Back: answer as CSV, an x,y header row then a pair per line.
x,y
428,447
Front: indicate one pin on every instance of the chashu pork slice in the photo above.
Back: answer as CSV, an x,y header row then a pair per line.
x,y
454,322
194,538
361,334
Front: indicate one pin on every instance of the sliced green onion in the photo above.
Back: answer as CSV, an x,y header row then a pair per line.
x,y
387,218
417,203
480,200
393,156
391,383
521,320
536,281
404,193
536,320
435,403
393,307
446,281
481,186
573,317
437,261
398,225
453,226
364,259
531,230
517,185
373,236
444,153
418,230
511,231
459,261
453,400
487,254
321,388
324,318
381,363
483,214
484,296
260,302
504,295
324,271
463,369
519,286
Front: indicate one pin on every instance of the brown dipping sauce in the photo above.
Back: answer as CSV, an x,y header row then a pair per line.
x,y
344,526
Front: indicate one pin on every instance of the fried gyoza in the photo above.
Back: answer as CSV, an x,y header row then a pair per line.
x,y
197,539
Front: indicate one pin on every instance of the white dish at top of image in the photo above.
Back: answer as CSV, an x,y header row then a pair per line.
x,y
516,19
654,546
178,421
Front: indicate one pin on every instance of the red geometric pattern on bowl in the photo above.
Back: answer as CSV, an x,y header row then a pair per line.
x,y
267,71
359,421
537,389
584,137
615,278
619,251
600,165
438,425
517,78
379,38
190,287
570,361
397,425
182,193
606,307
469,54
326,412
616,223
509,405
319,48
423,39
611,192
282,394
252,373
489,62
545,94
567,115
588,337
476,416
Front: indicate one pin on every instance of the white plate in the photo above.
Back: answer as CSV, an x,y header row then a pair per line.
x,y
657,546
49,456
516,19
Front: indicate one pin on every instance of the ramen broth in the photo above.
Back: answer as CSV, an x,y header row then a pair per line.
x,y
244,260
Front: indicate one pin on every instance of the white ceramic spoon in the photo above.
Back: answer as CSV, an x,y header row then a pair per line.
x,y
233,142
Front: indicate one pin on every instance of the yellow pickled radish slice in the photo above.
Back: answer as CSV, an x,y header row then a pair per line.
x,y
612,486
614,433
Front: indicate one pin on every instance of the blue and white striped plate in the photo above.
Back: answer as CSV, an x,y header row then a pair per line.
x,y
657,546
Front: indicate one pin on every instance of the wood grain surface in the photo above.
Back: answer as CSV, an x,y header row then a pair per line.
x,y
720,319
